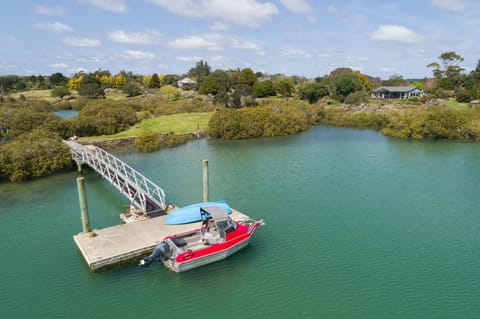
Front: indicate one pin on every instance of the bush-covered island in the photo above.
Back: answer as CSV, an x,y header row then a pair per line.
x,y
147,112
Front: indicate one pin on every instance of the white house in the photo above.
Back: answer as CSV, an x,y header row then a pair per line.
x,y
187,84
397,92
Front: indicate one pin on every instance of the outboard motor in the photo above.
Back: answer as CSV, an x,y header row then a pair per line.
x,y
160,253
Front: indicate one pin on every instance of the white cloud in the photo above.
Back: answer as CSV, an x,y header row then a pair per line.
x,y
54,27
59,65
195,42
148,37
395,33
324,55
451,5
49,11
189,58
108,5
249,13
217,59
137,55
331,9
84,42
247,45
297,6
388,69
296,53
219,26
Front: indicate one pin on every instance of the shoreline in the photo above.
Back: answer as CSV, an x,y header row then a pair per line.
x,y
126,144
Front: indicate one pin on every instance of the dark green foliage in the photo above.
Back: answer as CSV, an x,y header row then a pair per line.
x,y
395,80
57,79
356,98
103,118
345,84
132,89
34,154
264,89
155,81
221,98
312,92
91,87
200,71
209,86
20,86
464,96
170,79
60,91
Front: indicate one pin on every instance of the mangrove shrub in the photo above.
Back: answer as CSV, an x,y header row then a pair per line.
x,y
34,154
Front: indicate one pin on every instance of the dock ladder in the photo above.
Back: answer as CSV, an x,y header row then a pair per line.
x,y
141,191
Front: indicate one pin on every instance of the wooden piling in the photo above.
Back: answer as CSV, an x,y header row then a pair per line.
x,y
205,181
82,198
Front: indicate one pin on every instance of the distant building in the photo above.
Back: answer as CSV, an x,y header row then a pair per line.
x,y
187,84
397,92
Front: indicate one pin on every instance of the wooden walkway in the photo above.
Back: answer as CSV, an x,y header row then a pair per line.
x,y
126,243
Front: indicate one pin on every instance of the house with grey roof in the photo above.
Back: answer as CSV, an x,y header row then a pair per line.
x,y
397,92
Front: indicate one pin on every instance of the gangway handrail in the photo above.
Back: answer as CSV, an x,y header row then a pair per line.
x,y
141,191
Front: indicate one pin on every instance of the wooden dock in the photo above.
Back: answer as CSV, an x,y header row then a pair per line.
x,y
126,243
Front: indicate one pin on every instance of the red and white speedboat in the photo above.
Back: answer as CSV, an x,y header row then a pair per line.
x,y
218,237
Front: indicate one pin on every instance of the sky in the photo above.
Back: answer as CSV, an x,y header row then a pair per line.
x,y
308,38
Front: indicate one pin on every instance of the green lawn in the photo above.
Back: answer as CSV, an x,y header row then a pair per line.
x,y
452,103
176,123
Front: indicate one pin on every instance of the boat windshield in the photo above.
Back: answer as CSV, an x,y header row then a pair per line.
x,y
226,225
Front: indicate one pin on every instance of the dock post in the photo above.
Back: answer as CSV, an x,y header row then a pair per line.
x,y
205,181
82,197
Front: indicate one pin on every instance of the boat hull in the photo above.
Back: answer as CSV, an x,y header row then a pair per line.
x,y
207,259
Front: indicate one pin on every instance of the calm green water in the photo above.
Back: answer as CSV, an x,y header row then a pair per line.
x,y
358,226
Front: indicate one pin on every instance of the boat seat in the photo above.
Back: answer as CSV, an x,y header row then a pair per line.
x,y
179,242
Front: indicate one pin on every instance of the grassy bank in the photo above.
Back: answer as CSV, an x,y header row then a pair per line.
x,y
176,123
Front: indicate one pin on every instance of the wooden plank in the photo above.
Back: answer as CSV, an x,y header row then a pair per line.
x,y
121,244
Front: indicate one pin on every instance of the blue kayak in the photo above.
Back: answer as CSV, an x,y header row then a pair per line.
x,y
191,213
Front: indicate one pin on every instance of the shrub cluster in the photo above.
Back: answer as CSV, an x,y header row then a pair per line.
x,y
33,154
259,121
151,141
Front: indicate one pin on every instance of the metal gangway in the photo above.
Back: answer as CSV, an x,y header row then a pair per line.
x,y
142,192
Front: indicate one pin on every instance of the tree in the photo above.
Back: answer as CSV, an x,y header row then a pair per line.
x,y
154,81
395,80
57,79
346,84
448,70
60,91
91,87
200,71
284,87
119,81
264,89
74,82
132,89
247,77
313,92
